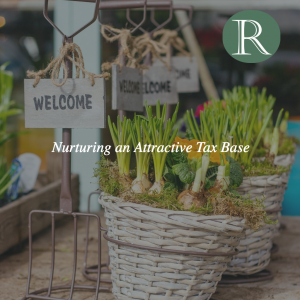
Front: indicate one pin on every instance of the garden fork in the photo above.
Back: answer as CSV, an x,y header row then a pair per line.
x,y
65,205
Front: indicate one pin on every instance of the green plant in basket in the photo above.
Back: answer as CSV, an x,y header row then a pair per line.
x,y
159,133
121,136
139,139
193,180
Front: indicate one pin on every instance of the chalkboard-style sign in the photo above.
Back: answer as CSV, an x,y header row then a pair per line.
x,y
127,89
187,76
77,104
159,84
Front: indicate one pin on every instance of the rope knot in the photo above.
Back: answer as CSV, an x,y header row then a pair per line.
x,y
126,43
72,52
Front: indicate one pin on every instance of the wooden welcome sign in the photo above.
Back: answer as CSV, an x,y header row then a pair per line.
x,y
186,70
159,84
127,89
76,104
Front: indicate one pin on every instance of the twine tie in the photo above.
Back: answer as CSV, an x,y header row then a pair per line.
x,y
72,52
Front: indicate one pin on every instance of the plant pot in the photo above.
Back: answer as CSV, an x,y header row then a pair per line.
x,y
254,252
164,254
255,248
270,188
284,160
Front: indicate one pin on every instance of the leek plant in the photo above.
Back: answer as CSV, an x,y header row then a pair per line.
x,y
158,132
122,138
142,182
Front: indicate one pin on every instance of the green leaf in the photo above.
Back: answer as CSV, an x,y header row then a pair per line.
x,y
185,172
170,185
236,173
235,193
211,173
178,157
170,177
209,183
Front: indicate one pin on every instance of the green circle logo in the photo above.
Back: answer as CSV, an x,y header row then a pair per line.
x,y
251,36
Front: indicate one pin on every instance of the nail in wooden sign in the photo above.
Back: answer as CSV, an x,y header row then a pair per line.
x,y
187,76
159,84
77,104
127,89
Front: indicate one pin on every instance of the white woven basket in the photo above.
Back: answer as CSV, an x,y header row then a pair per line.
x,y
153,274
270,188
255,248
284,160
254,252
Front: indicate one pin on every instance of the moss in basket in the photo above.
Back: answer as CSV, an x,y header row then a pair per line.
x,y
286,146
265,167
223,203
108,175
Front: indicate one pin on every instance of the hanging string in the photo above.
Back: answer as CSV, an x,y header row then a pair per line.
x,y
144,44
170,38
72,52
134,49
126,43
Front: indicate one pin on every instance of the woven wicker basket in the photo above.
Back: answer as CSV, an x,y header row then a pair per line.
x,y
254,252
255,248
284,160
270,188
171,271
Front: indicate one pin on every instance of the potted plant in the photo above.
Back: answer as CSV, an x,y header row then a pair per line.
x,y
175,232
233,122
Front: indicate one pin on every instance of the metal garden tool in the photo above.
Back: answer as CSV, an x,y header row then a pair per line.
x,y
65,204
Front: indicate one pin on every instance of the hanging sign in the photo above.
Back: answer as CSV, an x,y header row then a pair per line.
x,y
127,89
159,84
76,104
186,69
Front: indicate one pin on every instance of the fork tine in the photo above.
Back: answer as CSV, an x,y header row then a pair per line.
x,y
99,257
30,252
75,257
52,254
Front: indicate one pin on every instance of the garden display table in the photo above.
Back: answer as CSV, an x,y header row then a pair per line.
x,y
13,268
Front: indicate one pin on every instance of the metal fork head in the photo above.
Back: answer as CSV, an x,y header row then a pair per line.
x,y
88,272
71,287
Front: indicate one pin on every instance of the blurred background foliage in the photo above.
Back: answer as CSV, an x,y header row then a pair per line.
x,y
26,41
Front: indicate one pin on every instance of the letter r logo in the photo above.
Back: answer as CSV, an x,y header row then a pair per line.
x,y
251,36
